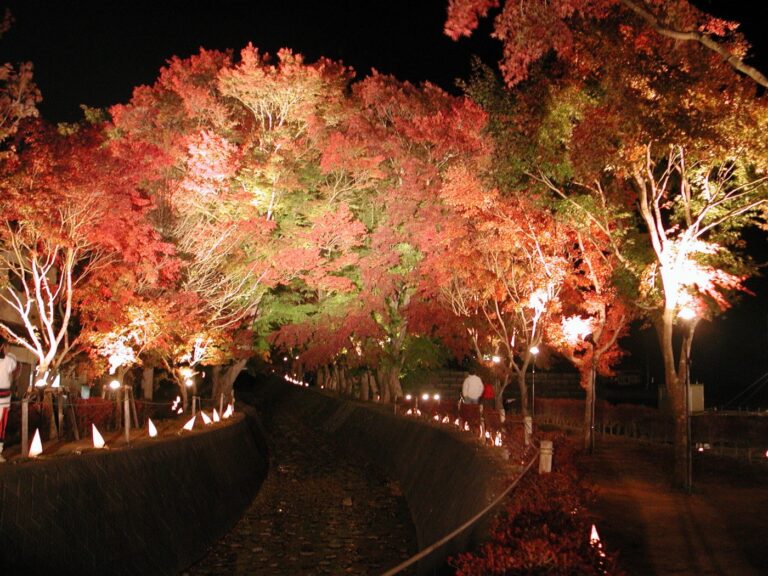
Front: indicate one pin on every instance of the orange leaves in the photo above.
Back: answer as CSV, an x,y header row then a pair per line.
x,y
463,16
464,191
211,162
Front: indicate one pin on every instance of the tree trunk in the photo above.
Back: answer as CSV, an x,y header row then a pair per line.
x,y
383,377
675,386
374,385
589,410
364,388
147,383
184,395
334,380
224,379
522,386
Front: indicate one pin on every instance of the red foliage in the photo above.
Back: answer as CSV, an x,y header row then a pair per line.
x,y
544,529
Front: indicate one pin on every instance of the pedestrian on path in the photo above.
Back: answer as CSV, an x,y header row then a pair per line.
x,y
8,366
488,399
472,389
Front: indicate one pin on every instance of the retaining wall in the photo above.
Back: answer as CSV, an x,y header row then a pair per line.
x,y
152,509
446,477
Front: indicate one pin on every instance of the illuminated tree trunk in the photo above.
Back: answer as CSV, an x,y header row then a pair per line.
x,y
224,379
389,383
588,430
522,386
675,376
147,383
374,386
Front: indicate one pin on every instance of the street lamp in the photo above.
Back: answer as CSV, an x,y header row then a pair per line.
x,y
534,350
689,315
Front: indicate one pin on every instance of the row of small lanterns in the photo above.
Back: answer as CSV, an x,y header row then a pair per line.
x,y
425,397
36,447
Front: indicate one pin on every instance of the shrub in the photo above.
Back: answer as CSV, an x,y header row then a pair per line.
x,y
543,529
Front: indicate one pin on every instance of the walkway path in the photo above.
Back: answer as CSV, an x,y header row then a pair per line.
x,y
720,529
317,513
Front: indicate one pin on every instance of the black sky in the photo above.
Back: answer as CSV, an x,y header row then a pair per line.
x,y
95,53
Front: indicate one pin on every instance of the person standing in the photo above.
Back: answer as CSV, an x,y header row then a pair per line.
x,y
472,389
488,399
8,365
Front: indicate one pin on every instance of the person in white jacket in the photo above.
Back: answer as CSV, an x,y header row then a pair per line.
x,y
472,389
8,365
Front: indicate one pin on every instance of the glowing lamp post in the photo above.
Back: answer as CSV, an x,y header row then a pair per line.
x,y
534,351
689,315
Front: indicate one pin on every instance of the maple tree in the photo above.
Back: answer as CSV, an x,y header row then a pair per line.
x,y
244,192
530,30
397,143
649,123
503,278
67,203
593,315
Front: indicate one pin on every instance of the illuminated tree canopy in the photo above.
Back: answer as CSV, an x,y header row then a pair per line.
x,y
250,204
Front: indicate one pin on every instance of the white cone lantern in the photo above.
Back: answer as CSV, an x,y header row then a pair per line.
x,y
98,439
36,448
151,428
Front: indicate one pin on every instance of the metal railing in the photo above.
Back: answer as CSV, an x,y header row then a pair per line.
x,y
469,523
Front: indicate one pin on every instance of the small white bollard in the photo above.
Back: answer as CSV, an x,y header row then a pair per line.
x,y
545,457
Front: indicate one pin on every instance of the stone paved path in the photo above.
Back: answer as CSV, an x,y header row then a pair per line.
x,y
317,513
719,529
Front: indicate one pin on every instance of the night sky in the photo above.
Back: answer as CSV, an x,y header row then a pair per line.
x,y
95,53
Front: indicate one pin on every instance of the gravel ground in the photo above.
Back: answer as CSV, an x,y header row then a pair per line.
x,y
319,512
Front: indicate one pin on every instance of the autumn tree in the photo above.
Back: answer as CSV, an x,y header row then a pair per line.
x,y
592,317
245,195
503,276
68,202
658,124
530,30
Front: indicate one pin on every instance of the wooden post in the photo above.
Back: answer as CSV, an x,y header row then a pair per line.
x,y
221,403
25,427
48,401
133,408
74,420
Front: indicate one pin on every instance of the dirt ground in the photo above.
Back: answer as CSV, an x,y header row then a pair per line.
x,y
719,529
